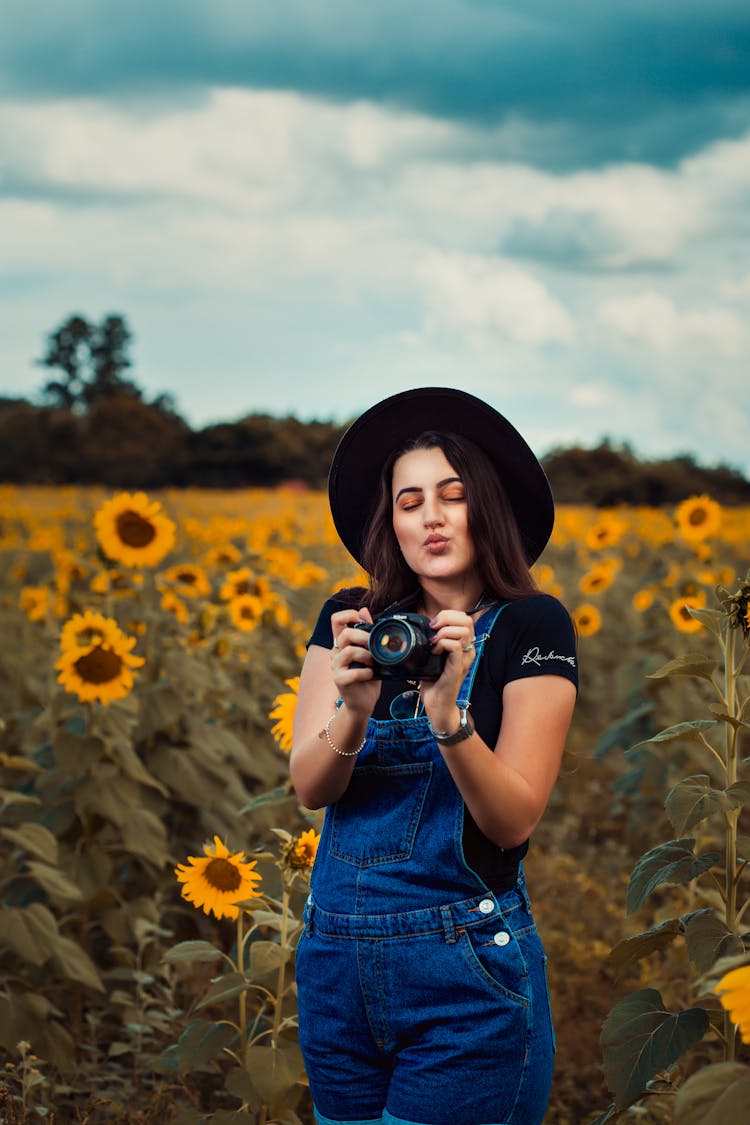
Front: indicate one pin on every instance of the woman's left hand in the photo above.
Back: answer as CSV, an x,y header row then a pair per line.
x,y
454,636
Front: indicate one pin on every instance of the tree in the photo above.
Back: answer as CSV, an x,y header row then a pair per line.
x,y
91,358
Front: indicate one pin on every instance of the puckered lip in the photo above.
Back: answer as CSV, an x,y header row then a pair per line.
x,y
434,539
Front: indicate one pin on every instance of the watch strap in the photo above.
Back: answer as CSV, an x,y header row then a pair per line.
x,y
463,730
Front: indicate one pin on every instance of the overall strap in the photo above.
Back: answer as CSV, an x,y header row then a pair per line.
x,y
487,621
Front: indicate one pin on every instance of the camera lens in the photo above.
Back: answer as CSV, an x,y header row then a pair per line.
x,y
391,641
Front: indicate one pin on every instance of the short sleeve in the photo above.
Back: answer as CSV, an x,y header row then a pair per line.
x,y
322,634
543,640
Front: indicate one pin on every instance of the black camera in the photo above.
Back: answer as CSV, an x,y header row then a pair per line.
x,y
401,646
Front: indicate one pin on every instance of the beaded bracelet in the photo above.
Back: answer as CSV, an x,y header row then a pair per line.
x,y
332,744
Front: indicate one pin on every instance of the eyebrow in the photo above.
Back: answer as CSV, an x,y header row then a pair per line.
x,y
416,488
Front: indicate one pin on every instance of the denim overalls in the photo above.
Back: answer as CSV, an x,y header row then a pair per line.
x,y
423,996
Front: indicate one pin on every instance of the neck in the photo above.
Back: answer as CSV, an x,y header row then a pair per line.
x,y
436,596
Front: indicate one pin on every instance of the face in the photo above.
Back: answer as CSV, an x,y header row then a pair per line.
x,y
430,517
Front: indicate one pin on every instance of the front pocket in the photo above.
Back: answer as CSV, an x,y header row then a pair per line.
x,y
376,819
500,967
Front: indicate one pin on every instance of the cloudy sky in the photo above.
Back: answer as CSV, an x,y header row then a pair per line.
x,y
303,206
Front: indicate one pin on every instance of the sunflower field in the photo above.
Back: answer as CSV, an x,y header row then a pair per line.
x,y
154,859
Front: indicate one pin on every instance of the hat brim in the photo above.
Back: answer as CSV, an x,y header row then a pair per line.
x,y
360,458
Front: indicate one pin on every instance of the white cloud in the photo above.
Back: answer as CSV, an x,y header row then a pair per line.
x,y
492,299
307,251
652,319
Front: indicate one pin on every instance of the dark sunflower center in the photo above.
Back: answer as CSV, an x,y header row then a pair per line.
x,y
222,875
697,517
242,587
99,666
685,613
247,613
187,578
134,530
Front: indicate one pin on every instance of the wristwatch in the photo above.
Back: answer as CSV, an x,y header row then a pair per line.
x,y
464,730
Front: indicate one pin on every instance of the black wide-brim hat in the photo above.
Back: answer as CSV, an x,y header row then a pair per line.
x,y
361,455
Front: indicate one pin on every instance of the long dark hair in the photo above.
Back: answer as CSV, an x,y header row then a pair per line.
x,y
492,525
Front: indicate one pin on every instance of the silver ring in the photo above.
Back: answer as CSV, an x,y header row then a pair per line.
x,y
336,644
468,648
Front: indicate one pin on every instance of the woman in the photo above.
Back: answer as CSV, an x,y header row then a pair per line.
x,y
422,988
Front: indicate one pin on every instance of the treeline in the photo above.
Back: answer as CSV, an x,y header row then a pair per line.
x,y
96,427
124,442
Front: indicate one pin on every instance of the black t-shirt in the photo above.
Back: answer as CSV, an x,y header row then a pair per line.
x,y
533,636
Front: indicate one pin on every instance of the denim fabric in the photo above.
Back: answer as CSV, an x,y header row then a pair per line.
x,y
422,995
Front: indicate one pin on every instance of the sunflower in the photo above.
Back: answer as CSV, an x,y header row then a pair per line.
x,y
225,555
191,580
34,601
246,612
300,854
734,992
133,530
599,578
283,712
587,620
244,581
176,606
100,667
84,630
115,582
681,616
605,533
697,518
643,600
218,880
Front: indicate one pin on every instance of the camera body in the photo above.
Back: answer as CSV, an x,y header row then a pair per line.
x,y
401,646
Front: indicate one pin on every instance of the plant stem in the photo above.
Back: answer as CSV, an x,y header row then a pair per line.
x,y
243,994
282,965
730,694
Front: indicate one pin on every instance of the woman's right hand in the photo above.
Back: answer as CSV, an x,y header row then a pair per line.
x,y
357,686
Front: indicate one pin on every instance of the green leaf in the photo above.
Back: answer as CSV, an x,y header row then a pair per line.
x,y
132,766
54,882
265,957
692,800
201,1041
30,931
673,862
632,949
711,618
224,988
76,753
239,1083
34,838
691,731
10,797
691,664
76,964
145,835
274,1071
717,710
708,938
640,1038
192,951
738,794
715,1095
275,796
621,733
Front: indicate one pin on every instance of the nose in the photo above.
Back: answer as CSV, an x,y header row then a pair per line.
x,y
432,515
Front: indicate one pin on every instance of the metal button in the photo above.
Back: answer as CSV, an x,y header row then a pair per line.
x,y
501,938
486,906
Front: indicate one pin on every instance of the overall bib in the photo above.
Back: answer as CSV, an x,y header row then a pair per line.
x,y
423,996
